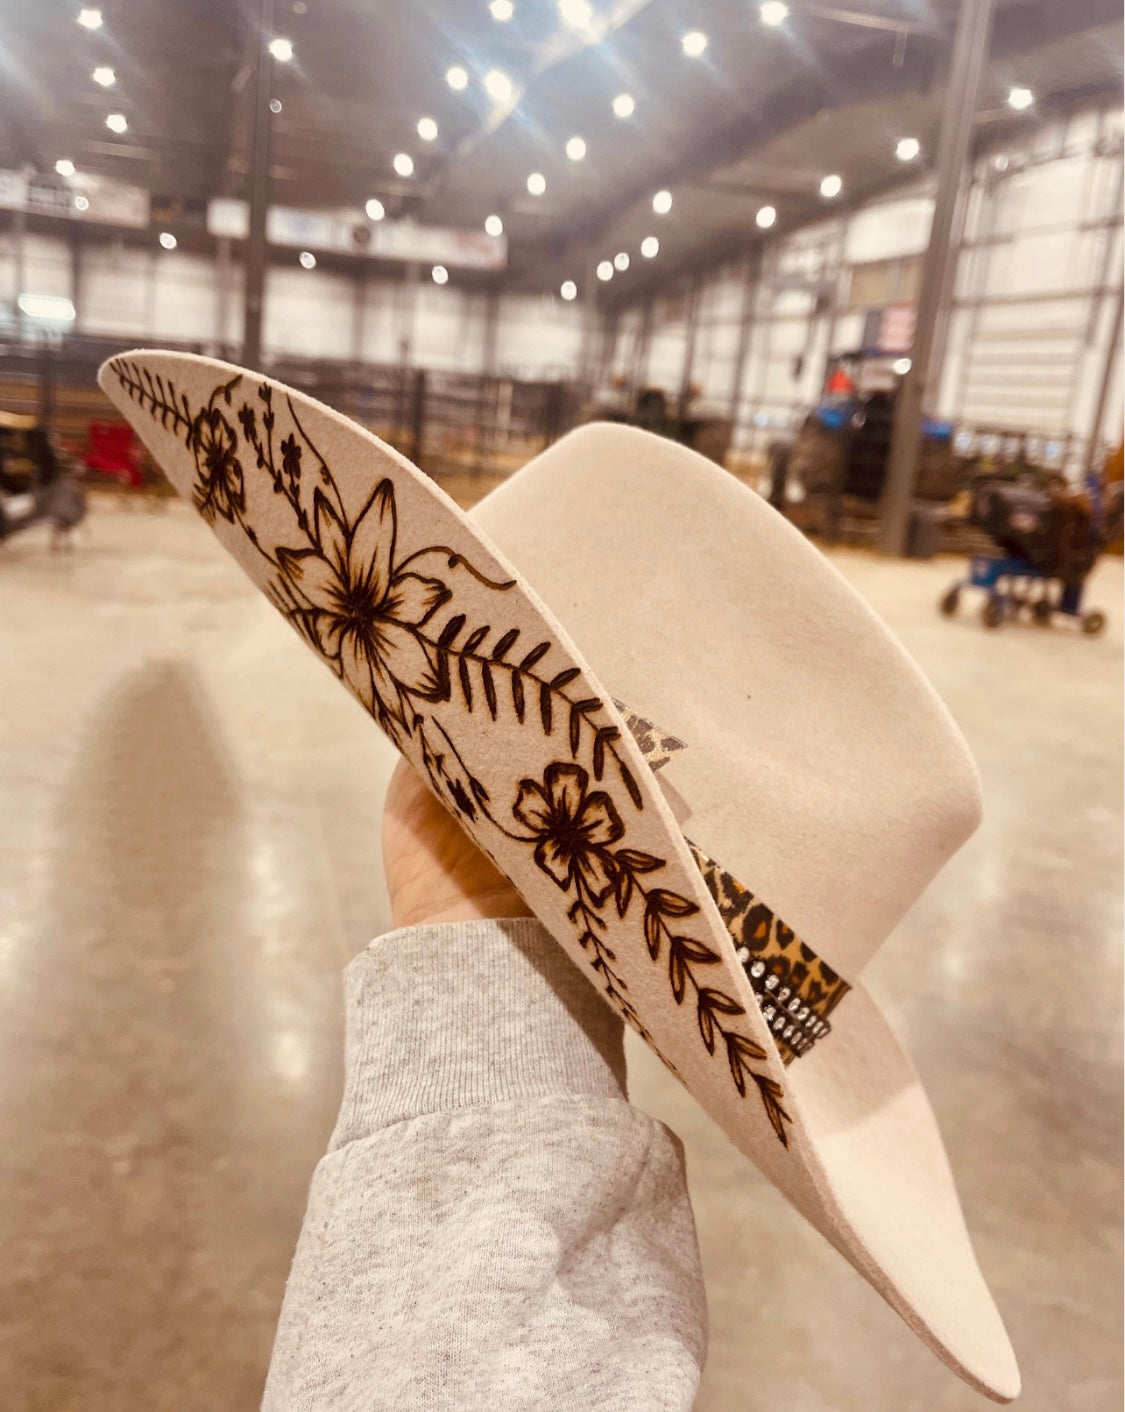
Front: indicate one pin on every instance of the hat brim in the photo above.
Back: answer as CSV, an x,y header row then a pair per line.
x,y
478,683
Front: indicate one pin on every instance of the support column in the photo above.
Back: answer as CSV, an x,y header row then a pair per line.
x,y
76,283
970,50
1096,420
255,253
689,344
750,276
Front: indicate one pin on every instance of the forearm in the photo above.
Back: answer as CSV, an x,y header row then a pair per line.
x,y
493,1225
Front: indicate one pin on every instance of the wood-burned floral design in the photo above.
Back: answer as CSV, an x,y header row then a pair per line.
x,y
373,616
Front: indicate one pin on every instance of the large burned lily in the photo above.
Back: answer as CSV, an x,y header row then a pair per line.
x,y
365,616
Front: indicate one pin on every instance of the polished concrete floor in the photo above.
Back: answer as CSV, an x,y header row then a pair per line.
x,y
189,853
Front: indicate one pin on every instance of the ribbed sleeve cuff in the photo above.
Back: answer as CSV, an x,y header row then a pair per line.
x,y
459,1014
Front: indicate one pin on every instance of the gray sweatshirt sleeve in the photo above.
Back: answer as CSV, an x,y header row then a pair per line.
x,y
493,1226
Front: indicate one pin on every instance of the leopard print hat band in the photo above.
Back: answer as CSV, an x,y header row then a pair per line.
x,y
796,991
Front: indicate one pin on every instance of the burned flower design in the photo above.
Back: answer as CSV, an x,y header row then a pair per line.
x,y
366,616
573,829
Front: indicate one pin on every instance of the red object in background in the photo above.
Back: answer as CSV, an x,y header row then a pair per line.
x,y
840,383
113,451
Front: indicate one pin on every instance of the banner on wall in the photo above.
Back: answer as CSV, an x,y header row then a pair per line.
x,y
83,197
890,329
349,232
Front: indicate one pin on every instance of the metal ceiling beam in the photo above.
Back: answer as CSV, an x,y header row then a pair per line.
x,y
872,73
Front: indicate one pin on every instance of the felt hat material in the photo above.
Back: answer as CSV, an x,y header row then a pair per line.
x,y
812,786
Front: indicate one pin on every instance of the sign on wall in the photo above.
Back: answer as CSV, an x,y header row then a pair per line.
x,y
350,232
83,197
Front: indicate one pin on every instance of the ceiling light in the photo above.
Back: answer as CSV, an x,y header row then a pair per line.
x,y
81,203
766,217
104,76
623,105
662,202
498,85
457,78
404,164
307,260
375,209
167,240
537,183
907,148
502,10
650,247
576,148
55,308
117,122
281,49
493,225
901,366
694,42
773,13
831,186
577,13
439,274
65,167
90,19
605,270
621,260
427,129
1020,98
569,290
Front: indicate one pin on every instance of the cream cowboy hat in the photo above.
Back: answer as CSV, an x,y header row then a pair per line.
x,y
713,774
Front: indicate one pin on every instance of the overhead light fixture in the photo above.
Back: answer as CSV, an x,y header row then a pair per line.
x,y
605,270
104,76
576,148
427,129
404,164
577,13
81,203
65,167
1020,98
831,186
765,217
662,202
375,209
907,148
621,261
498,85
773,13
51,308
90,18
117,122
439,274
568,290
901,366
307,260
694,42
493,225
502,10
623,105
167,240
537,183
281,49
457,78
650,247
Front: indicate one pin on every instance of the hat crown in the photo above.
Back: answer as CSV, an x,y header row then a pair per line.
x,y
821,770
